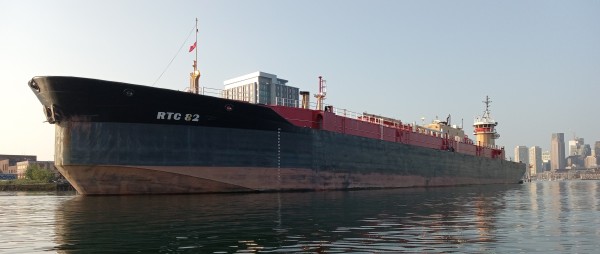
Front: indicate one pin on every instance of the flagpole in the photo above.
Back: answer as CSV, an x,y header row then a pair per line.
x,y
196,60
195,76
198,71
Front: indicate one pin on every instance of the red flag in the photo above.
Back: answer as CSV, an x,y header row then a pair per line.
x,y
193,47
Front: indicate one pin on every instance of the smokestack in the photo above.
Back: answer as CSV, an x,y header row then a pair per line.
x,y
305,99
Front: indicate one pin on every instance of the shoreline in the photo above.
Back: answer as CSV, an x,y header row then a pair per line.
x,y
37,187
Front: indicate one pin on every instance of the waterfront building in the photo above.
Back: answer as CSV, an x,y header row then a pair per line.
x,y
6,171
535,160
596,149
557,152
4,166
591,162
13,159
261,88
23,165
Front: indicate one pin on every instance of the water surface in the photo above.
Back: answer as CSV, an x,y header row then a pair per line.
x,y
542,217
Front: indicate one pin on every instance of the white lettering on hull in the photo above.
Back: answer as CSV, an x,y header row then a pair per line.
x,y
177,116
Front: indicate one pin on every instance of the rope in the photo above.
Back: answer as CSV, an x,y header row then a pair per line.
x,y
182,45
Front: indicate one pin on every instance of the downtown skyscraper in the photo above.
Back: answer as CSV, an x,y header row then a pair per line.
x,y
557,151
535,160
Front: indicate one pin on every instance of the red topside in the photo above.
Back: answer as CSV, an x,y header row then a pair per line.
x,y
377,128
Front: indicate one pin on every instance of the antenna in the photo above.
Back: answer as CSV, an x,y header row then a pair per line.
x,y
487,104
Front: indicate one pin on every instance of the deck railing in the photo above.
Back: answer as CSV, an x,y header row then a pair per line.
x,y
364,117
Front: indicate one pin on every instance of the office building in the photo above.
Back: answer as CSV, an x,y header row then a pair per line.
x,y
557,152
546,160
596,149
573,146
521,154
535,160
262,88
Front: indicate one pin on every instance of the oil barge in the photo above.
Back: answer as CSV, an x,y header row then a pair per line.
x,y
119,138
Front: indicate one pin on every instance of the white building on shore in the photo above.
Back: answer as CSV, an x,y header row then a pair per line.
x,y
261,88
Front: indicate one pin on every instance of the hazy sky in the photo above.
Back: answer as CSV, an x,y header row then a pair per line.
x,y
539,61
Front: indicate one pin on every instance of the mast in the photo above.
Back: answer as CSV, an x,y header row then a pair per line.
x,y
322,93
487,102
195,75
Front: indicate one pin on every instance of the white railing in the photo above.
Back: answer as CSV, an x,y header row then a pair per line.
x,y
286,102
212,91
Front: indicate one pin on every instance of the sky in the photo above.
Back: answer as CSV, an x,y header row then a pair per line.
x,y
539,61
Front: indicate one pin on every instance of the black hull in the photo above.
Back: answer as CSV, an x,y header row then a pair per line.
x,y
91,100
118,146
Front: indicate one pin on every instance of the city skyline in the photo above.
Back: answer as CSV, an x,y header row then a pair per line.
x,y
405,60
574,154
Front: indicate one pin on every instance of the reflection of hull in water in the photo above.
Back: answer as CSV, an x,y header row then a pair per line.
x,y
116,138
379,220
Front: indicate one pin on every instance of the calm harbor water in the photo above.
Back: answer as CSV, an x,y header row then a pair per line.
x,y
541,217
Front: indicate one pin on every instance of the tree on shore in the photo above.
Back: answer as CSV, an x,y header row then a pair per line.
x,y
37,173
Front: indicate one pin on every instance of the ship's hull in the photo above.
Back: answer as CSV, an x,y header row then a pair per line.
x,y
126,158
234,147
